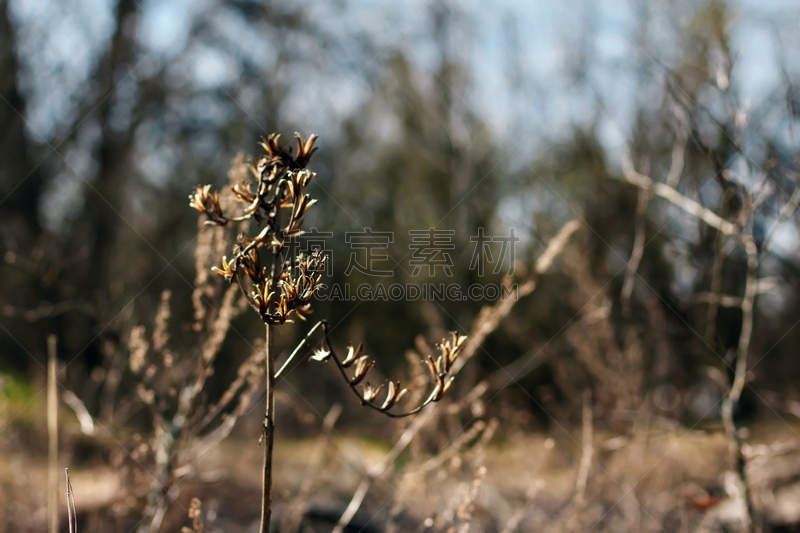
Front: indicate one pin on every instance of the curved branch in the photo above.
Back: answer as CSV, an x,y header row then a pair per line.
x,y
439,367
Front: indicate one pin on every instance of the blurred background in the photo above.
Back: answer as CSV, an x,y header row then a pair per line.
x,y
596,403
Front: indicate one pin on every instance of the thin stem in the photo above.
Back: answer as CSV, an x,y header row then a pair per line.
x,y
715,290
740,375
269,432
297,349
637,252
269,374
671,195
72,515
52,433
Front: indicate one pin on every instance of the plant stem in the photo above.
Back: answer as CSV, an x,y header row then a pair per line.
x,y
269,432
52,433
269,373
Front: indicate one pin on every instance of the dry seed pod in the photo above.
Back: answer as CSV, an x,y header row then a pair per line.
x,y
321,354
393,395
369,393
226,271
304,149
251,262
362,368
242,192
434,365
208,203
352,355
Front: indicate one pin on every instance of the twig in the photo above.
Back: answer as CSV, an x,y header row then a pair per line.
x,y
735,393
638,250
678,157
716,288
674,176
588,449
787,211
297,350
84,417
453,447
555,246
717,300
751,289
673,196
72,515
52,433
763,285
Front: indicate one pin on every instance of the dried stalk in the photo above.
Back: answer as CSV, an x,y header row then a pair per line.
x,y
72,515
731,401
638,250
716,289
588,449
280,180
439,367
269,433
52,433
678,157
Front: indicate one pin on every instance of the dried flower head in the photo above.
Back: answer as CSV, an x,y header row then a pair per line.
x,y
226,271
280,182
208,203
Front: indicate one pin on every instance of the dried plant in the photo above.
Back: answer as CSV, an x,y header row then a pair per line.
x,y
72,515
282,290
195,515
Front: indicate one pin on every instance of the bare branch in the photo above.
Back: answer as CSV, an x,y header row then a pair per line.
x,y
638,250
735,393
678,157
786,213
673,196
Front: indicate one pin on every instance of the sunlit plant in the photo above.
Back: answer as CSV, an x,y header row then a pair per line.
x,y
275,204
